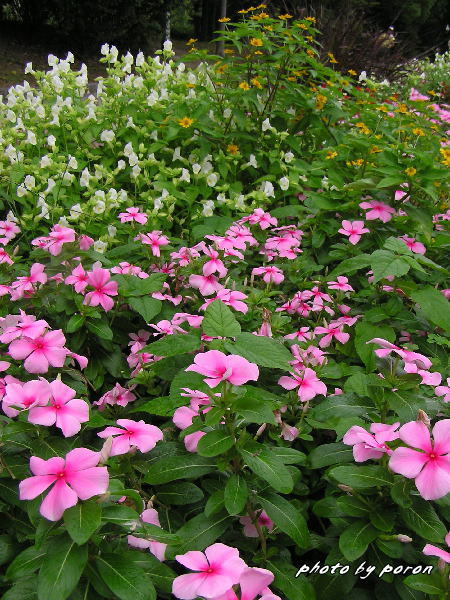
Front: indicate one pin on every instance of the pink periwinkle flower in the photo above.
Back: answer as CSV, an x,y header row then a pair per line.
x,y
75,477
5,258
402,194
430,550
354,230
25,285
231,298
8,231
132,434
307,383
217,367
331,331
340,284
85,242
413,245
444,390
23,396
427,462
429,378
263,219
302,335
214,264
133,214
154,239
78,278
65,411
217,570
371,445
119,396
158,549
413,360
41,352
415,95
99,279
377,210
270,274
205,284
263,521
24,326
59,235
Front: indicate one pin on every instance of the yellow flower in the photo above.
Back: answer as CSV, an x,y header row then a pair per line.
x,y
410,171
310,52
244,86
382,108
374,150
446,156
302,25
284,17
243,11
191,41
261,6
232,148
255,81
321,100
312,19
259,16
330,154
363,128
418,131
185,122
257,52
402,108
229,51
268,27
331,57
224,20
256,42
352,72
309,37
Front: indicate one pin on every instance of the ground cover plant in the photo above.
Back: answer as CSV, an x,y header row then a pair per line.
x,y
224,296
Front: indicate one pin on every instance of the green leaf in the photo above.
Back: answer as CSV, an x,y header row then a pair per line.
x,y
119,515
25,589
161,575
289,456
424,521
171,345
126,580
215,503
82,520
146,306
201,531
266,465
219,321
286,580
235,494
171,468
427,584
362,477
385,263
215,442
26,563
130,285
262,350
434,306
150,531
61,569
349,265
101,329
330,454
286,517
253,409
180,493
74,323
353,542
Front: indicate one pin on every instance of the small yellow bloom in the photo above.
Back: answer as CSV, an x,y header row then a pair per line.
x,y
332,58
410,171
309,38
185,122
259,16
330,154
191,41
446,156
255,82
268,27
243,11
311,19
375,150
285,17
261,6
232,148
418,131
256,42
402,108
310,52
352,72
244,86
224,20
257,52
302,25
321,100
363,128
229,51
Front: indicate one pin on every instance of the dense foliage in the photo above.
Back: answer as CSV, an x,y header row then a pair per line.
x,y
222,289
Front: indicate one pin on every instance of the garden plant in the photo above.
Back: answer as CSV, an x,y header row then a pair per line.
x,y
224,328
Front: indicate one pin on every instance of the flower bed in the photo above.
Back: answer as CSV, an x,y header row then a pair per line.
x,y
222,289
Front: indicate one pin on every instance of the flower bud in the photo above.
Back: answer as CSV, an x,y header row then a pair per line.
x,y
405,539
345,488
422,417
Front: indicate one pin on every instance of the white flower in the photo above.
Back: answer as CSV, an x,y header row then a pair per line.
x,y
239,202
266,125
140,59
45,161
227,113
72,163
252,162
128,150
196,168
76,211
52,60
21,190
284,183
99,207
121,164
100,246
135,171
85,177
31,138
288,157
176,154
362,76
208,208
51,141
221,199
268,189
51,183
185,176
104,49
28,67
112,231
167,46
30,182
68,178
63,221
152,98
206,167
107,135
212,179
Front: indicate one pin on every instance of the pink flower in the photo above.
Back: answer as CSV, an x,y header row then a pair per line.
x,y
76,476
119,396
154,239
40,352
263,521
231,298
254,581
165,327
413,245
135,434
133,214
5,258
413,360
8,231
415,95
58,236
307,383
430,465
354,230
444,390
430,378
378,210
85,242
25,395
78,278
270,274
65,411
214,264
217,367
158,549
430,550
26,284
333,330
302,335
25,326
263,219
340,284
205,284
218,569
99,279
371,445
402,194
